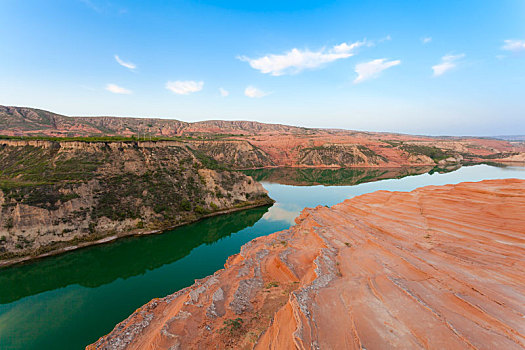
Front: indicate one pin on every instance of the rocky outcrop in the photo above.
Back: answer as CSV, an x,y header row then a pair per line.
x,y
340,155
59,195
236,154
438,267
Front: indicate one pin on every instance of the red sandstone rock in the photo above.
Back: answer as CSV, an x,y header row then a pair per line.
x,y
435,268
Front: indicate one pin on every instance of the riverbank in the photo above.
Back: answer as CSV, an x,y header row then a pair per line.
x,y
70,246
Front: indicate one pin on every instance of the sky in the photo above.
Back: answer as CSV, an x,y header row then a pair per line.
x,y
443,67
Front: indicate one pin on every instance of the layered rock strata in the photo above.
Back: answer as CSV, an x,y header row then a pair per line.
x,y
435,268
245,144
55,196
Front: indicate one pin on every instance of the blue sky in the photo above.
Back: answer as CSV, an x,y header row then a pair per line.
x,y
428,67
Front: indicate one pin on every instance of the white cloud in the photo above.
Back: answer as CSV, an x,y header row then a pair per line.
x,y
386,38
514,45
128,65
253,92
117,89
295,60
224,92
426,40
448,62
187,87
277,213
372,69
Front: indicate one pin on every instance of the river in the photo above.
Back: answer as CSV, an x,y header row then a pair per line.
x,y
70,300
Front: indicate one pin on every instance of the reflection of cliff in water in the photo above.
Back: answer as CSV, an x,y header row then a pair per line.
x,y
332,177
98,265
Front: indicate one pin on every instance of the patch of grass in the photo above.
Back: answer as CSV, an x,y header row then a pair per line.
x,y
232,326
435,153
207,161
271,284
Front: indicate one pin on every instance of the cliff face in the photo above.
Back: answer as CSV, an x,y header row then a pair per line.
x,y
438,267
55,194
235,154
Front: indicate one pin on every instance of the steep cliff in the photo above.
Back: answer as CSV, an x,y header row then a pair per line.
x,y
439,267
340,155
58,194
237,154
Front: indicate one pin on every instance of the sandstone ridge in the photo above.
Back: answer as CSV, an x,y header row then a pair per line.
x,y
438,267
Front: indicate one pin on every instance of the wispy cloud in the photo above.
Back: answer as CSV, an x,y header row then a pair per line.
x,y
186,87
386,38
296,60
224,92
104,7
426,40
253,92
117,89
513,45
91,5
447,63
373,69
128,65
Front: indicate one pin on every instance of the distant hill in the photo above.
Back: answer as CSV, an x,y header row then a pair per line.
x,y
249,144
23,121
511,137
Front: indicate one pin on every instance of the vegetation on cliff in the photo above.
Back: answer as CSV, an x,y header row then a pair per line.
x,y
54,194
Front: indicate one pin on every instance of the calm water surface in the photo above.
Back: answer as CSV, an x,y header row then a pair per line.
x,y
69,301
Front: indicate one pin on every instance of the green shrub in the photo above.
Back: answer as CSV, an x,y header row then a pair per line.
x,y
232,326
185,205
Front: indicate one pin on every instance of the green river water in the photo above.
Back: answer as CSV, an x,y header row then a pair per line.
x,y
70,300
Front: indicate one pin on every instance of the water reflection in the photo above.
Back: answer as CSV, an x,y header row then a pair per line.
x,y
332,177
95,266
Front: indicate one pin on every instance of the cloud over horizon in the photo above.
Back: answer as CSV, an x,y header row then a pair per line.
x,y
296,60
448,62
372,69
513,45
128,65
223,92
185,87
253,92
117,89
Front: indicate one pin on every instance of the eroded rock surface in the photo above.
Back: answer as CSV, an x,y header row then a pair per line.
x,y
436,268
